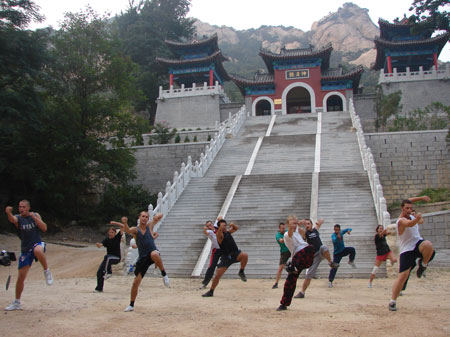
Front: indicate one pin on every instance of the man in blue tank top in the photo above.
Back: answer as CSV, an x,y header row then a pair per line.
x,y
30,225
148,253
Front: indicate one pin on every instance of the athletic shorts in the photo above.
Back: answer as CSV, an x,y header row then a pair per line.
x,y
284,257
26,259
228,260
318,257
142,265
383,257
408,259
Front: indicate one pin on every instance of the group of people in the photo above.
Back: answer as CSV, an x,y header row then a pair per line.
x,y
300,248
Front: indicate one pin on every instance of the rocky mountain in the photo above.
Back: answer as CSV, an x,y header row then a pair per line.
x,y
350,30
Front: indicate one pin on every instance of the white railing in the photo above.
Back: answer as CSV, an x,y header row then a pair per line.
x,y
229,127
431,74
383,215
193,91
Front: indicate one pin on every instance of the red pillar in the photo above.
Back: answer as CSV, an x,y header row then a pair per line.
x,y
211,78
171,79
435,61
389,64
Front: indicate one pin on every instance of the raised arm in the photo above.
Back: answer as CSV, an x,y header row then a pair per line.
x,y
319,223
37,218
124,226
233,228
11,218
152,224
425,198
301,229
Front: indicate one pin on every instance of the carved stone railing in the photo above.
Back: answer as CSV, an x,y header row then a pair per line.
x,y
383,215
173,190
193,91
420,75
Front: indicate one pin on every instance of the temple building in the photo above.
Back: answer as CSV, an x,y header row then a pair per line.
x,y
398,48
298,81
409,63
196,77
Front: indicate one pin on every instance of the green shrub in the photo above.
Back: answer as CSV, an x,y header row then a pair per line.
x,y
177,139
195,139
187,140
209,138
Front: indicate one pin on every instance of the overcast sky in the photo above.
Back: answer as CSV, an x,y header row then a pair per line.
x,y
244,14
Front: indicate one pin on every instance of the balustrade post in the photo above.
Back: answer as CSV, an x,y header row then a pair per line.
x,y
150,212
159,202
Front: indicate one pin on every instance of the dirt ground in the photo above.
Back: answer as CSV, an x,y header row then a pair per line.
x,y
70,308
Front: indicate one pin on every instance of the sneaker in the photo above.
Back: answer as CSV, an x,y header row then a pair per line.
x,y
275,286
370,285
242,275
166,281
209,293
392,306
421,269
48,277
202,287
129,308
352,263
282,307
401,293
98,291
330,284
14,306
300,295
107,276
333,265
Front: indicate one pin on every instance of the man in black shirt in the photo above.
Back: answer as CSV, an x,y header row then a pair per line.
x,y
112,244
230,254
320,252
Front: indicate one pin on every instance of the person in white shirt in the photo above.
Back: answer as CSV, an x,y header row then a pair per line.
x,y
302,257
210,231
412,247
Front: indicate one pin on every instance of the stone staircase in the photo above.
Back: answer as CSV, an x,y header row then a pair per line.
x,y
279,184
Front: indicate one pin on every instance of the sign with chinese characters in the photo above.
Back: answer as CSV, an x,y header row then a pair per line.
x,y
295,74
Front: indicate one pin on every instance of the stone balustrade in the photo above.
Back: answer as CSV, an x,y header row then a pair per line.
x,y
193,91
371,168
173,190
431,74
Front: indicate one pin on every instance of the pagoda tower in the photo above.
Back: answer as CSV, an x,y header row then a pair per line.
x,y
196,77
298,81
398,48
409,63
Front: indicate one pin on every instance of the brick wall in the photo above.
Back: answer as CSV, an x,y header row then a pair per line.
x,y
408,162
436,228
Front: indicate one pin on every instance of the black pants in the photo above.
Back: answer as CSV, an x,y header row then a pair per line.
x,y
215,256
105,267
338,257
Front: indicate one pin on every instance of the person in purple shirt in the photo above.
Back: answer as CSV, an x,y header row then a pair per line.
x,y
340,251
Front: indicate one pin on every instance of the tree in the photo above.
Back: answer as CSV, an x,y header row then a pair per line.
x,y
22,57
430,15
143,28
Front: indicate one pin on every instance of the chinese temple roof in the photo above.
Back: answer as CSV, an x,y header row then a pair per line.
x,y
216,58
259,79
297,54
399,28
339,74
437,42
178,48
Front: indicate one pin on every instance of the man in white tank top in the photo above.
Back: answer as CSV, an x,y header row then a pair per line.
x,y
412,246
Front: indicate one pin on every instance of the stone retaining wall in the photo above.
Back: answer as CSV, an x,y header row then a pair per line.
x,y
408,162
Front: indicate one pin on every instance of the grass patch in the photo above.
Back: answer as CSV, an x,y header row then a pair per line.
x,y
436,194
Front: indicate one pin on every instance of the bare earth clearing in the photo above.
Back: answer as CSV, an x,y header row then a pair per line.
x,y
70,308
